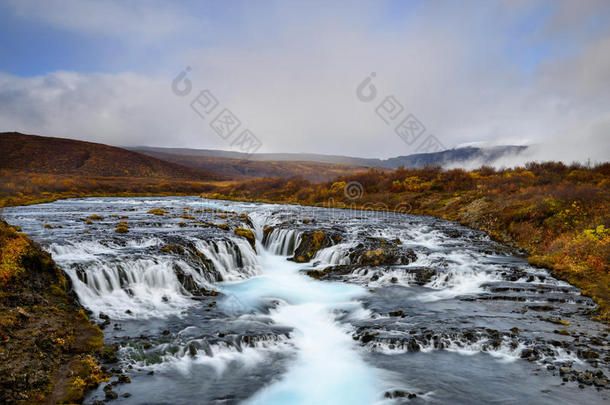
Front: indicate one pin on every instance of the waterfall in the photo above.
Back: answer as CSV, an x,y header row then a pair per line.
x,y
232,259
136,283
140,287
282,242
333,255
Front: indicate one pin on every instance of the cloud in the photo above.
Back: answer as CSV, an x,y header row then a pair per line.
x,y
290,74
131,21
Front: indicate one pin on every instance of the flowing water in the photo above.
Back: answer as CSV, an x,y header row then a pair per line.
x,y
393,309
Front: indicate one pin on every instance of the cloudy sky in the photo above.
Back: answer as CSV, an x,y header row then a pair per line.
x,y
498,72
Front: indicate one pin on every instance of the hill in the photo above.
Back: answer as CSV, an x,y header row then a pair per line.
x,y
59,156
450,157
239,169
36,169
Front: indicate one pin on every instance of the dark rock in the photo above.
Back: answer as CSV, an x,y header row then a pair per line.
x,y
413,346
366,338
192,349
110,395
378,252
123,379
311,242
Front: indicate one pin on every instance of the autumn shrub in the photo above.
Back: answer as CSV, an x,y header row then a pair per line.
x,y
13,247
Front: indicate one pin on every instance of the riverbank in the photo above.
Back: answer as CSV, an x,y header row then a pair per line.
x,y
49,348
558,214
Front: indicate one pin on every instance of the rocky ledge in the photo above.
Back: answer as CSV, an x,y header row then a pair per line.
x,y
49,349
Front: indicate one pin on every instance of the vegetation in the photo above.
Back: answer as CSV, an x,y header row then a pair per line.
x,y
157,211
122,228
246,233
48,346
558,213
23,188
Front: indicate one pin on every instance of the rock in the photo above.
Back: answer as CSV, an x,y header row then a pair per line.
x,y
377,252
104,316
248,234
110,395
266,232
192,349
564,370
423,275
165,332
589,354
311,242
366,338
397,313
413,346
399,394
530,354
123,379
126,395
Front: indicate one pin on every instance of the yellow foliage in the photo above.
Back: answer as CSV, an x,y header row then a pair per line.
x,y
337,186
10,263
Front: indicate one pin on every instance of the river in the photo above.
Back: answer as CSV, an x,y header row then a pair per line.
x,y
391,309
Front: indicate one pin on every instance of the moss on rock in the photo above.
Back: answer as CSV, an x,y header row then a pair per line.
x,y
248,234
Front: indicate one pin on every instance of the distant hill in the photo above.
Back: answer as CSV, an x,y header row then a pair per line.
x,y
201,158
59,156
293,157
240,168
455,157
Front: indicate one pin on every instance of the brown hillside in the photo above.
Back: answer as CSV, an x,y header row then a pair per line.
x,y
59,156
246,168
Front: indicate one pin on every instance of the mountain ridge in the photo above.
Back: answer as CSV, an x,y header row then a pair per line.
x,y
456,156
